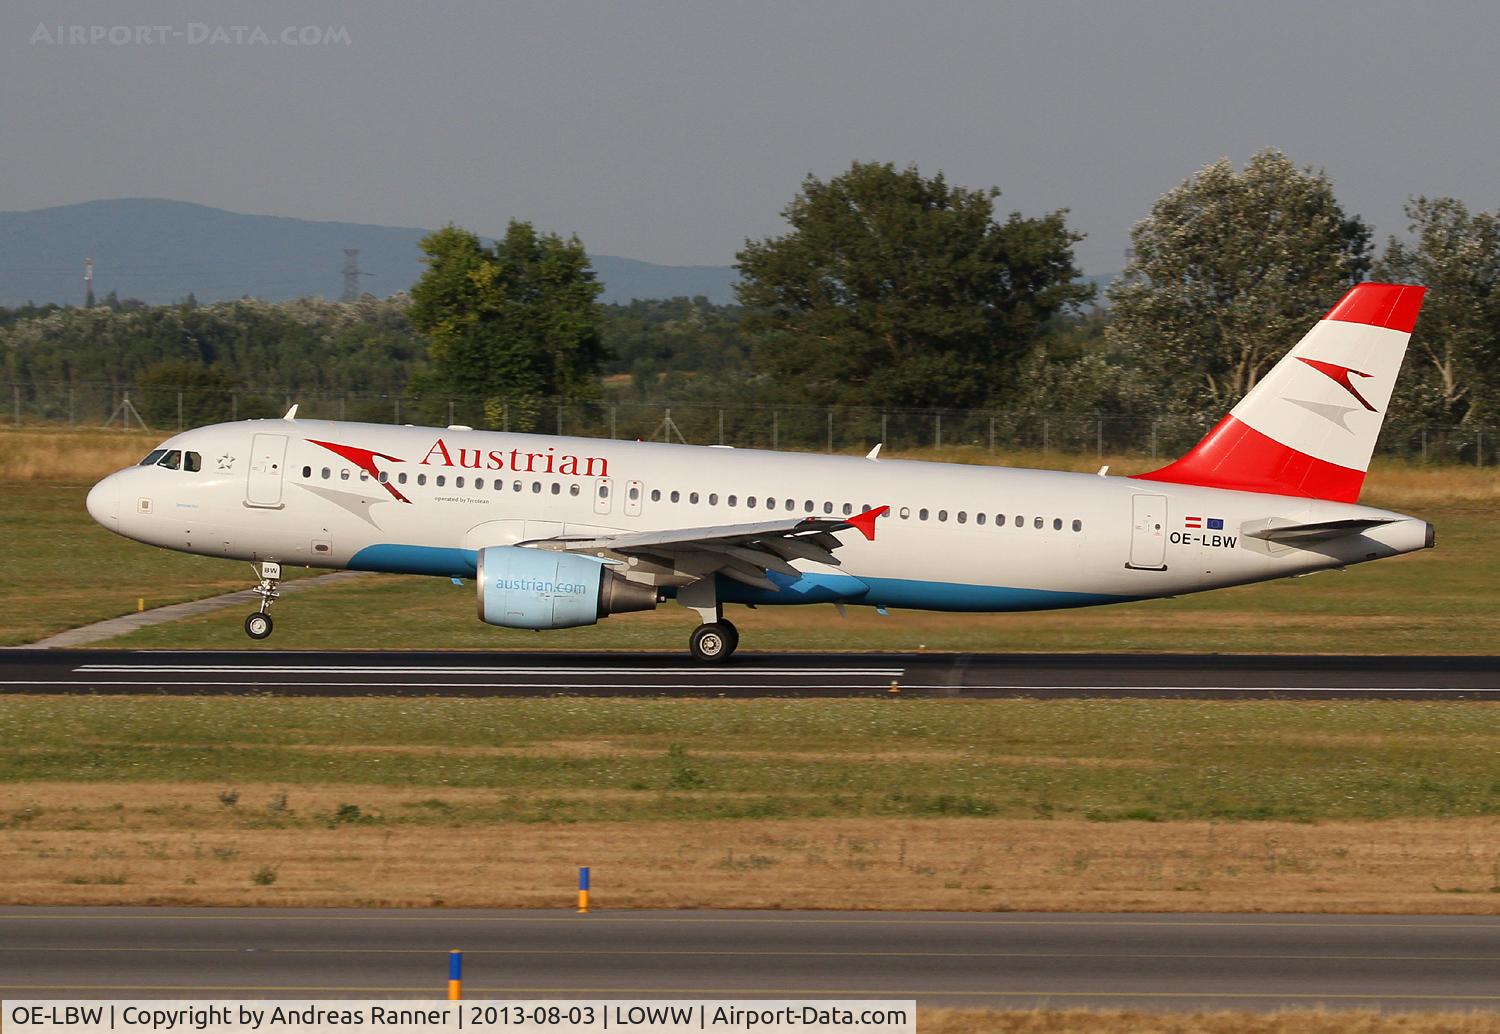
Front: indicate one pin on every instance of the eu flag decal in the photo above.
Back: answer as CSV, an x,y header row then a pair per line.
x,y
1216,524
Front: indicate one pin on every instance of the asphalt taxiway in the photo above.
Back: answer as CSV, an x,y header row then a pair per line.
x,y
1183,961
403,673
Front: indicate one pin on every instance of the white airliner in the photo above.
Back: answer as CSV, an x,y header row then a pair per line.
x,y
559,532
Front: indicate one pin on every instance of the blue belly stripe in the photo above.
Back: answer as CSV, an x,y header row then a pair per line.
x,y
390,558
448,562
910,593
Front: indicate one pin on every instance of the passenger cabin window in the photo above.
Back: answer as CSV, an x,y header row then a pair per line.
x,y
713,499
1057,524
479,482
922,514
827,507
848,509
536,488
440,480
344,475
421,479
327,473
384,477
556,487
656,495
979,518
963,518
458,482
693,498
1077,525
676,496
905,512
307,472
1036,522
401,477
731,500
573,490
942,515
1020,521
750,501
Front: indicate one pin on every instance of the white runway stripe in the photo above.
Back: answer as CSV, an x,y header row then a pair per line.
x,y
319,669
425,683
1188,691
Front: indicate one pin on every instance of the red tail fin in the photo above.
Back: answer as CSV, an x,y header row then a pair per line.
x,y
1306,429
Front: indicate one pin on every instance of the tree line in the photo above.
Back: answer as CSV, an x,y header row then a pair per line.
x,y
889,290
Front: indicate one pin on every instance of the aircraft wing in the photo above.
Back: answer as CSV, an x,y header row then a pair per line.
x,y
746,553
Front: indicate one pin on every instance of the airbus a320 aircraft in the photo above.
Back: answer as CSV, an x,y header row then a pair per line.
x,y
560,532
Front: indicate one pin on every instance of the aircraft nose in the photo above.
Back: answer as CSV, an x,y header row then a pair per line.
x,y
104,503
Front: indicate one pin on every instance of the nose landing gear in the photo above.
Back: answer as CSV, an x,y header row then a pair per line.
x,y
259,624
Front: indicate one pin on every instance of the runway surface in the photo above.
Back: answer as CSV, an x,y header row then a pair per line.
x,y
398,673
998,960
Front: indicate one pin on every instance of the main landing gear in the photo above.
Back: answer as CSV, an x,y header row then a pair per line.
x,y
259,625
714,641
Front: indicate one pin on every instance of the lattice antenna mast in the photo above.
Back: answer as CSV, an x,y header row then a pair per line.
x,y
352,273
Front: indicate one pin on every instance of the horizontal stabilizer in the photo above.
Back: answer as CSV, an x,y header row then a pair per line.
x,y
1322,531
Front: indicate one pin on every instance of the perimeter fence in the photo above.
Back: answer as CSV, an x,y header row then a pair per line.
x,y
747,425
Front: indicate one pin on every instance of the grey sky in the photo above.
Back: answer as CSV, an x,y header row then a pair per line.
x,y
672,131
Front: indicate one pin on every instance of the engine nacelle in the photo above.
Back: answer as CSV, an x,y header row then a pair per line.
x,y
521,587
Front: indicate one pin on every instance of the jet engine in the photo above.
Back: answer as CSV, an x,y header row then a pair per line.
x,y
520,587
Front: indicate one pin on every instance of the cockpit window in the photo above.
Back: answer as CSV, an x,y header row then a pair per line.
x,y
172,460
152,457
192,462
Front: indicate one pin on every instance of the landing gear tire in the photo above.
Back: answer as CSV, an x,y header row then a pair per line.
x,y
258,625
714,642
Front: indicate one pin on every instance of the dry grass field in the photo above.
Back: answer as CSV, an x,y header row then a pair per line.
x,y
991,805
343,845
1114,1021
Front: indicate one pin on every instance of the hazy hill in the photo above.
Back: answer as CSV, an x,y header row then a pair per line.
x,y
161,251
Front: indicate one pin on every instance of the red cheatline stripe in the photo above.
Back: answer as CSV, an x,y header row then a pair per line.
x,y
1236,456
1392,306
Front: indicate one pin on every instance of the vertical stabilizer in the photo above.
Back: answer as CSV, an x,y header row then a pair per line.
x,y
1309,426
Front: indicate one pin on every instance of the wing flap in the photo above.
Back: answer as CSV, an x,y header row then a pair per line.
x,y
746,553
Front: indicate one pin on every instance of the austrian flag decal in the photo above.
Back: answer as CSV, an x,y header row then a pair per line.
x,y
1211,523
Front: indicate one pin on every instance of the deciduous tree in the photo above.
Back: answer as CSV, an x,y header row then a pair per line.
x,y
894,289
1456,346
1224,273
511,324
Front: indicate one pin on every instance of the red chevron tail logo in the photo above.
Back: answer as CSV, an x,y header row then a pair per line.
x,y
1340,376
